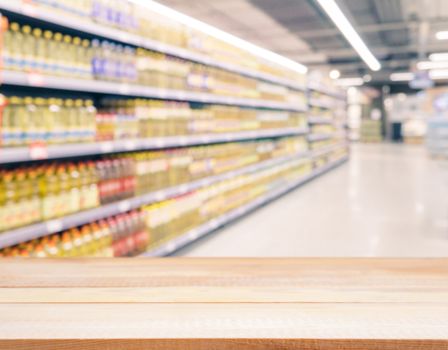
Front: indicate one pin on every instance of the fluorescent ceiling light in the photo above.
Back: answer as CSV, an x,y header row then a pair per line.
x,y
425,65
350,81
438,57
443,35
403,76
221,35
438,74
334,74
337,16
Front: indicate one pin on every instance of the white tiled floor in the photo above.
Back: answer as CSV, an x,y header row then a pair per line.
x,y
388,200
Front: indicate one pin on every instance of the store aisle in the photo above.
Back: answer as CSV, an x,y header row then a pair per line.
x,y
389,200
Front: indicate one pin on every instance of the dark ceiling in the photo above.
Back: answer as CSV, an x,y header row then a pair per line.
x,y
390,29
396,31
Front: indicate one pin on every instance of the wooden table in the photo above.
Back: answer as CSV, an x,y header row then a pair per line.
x,y
224,304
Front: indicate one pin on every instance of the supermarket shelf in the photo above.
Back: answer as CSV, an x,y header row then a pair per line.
x,y
341,123
341,134
325,150
320,137
319,120
107,87
314,102
33,231
325,90
40,152
86,26
325,136
212,225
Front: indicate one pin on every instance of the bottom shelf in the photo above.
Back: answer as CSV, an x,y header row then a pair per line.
x,y
190,236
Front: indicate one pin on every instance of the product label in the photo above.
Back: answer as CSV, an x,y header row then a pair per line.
x,y
38,150
35,79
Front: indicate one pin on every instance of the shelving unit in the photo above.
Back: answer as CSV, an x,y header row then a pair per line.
x,y
319,120
39,153
320,87
321,104
52,226
325,150
319,137
328,133
104,87
177,243
35,12
371,130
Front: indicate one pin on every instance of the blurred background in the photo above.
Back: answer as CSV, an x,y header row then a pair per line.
x,y
224,128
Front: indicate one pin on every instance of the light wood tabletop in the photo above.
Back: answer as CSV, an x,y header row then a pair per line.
x,y
245,303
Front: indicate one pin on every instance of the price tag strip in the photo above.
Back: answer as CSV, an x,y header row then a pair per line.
x,y
38,151
124,206
54,226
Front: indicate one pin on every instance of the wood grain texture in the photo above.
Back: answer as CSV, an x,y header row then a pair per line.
x,y
224,304
223,344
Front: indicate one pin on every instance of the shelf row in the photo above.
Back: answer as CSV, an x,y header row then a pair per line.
x,y
314,102
320,120
315,86
174,244
30,10
40,151
314,137
320,137
107,87
33,231
328,149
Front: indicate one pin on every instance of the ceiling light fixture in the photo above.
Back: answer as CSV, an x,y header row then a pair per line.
x,y
443,35
367,78
438,57
355,81
221,35
402,76
334,74
337,16
438,74
425,65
